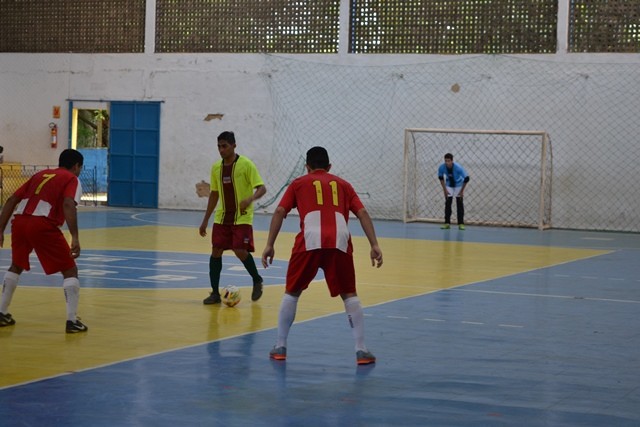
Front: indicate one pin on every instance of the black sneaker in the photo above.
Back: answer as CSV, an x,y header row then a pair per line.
x,y
6,320
214,298
257,291
75,327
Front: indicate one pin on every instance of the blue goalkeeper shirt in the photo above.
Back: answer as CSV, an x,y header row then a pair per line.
x,y
453,177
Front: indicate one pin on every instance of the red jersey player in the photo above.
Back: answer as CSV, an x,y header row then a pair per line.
x,y
324,202
42,205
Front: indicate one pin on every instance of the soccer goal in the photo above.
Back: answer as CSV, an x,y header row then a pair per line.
x,y
510,176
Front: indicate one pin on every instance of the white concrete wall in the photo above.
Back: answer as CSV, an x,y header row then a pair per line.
x,y
190,86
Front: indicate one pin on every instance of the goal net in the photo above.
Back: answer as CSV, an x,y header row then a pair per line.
x,y
510,176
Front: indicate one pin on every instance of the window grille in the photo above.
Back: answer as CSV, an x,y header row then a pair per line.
x,y
604,26
453,26
81,26
247,26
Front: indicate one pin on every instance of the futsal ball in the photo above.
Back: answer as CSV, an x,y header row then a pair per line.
x,y
231,296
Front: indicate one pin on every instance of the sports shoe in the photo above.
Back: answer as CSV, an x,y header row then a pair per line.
x,y
365,357
6,320
75,327
445,227
257,291
461,227
278,353
214,298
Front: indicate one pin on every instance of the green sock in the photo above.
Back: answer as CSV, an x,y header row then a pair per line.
x,y
250,265
215,267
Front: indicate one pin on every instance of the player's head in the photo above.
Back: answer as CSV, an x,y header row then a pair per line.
x,y
70,159
227,146
448,160
318,158
227,136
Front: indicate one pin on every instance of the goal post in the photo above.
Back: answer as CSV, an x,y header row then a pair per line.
x,y
510,176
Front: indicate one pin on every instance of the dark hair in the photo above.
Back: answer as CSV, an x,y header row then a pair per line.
x,y
227,136
448,156
318,158
69,158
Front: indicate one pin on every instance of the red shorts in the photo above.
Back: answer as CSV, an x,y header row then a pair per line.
x,y
232,236
337,266
29,233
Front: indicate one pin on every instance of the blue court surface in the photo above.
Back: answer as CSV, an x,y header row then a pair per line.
x,y
482,327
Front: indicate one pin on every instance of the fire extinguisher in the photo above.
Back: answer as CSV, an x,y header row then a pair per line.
x,y
54,134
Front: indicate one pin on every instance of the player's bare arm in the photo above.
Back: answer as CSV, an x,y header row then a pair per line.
x,y
260,191
274,229
5,215
370,232
444,187
71,218
464,185
211,205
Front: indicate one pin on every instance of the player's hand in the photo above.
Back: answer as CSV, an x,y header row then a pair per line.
x,y
75,248
1,240
267,256
376,256
244,204
203,229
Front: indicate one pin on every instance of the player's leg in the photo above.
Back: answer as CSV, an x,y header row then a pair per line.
x,y
9,285
341,278
71,286
54,254
303,267
460,211
447,209
286,317
242,247
215,269
221,239
250,265
20,250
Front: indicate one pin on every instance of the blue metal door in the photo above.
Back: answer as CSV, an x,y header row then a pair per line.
x,y
134,154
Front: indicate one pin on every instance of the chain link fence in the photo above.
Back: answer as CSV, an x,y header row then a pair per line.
x,y
12,176
359,113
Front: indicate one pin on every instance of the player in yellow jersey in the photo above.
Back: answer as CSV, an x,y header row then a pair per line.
x,y
236,184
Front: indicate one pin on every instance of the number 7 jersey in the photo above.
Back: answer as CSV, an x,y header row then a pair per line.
x,y
323,201
44,192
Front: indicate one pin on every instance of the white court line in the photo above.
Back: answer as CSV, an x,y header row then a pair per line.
x,y
604,239
546,296
466,322
137,217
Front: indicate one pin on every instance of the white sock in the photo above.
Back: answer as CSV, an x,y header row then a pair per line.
x,y
71,288
8,288
287,315
355,315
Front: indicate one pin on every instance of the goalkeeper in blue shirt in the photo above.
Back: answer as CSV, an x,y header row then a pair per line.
x,y
453,179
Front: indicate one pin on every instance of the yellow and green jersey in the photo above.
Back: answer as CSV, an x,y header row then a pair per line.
x,y
234,183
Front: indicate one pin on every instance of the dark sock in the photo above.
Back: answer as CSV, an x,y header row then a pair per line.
x,y
215,267
250,265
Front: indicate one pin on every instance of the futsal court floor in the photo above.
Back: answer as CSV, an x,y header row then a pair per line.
x,y
482,327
